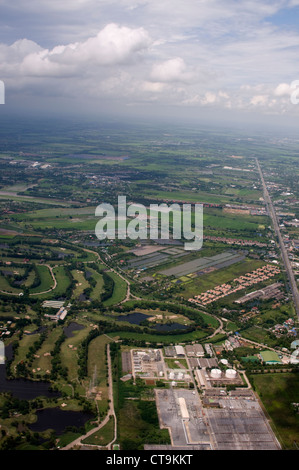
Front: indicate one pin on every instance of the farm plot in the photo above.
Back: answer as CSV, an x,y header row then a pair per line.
x,y
218,261
155,259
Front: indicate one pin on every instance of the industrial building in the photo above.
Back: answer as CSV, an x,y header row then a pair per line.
x,y
234,423
180,352
194,350
60,315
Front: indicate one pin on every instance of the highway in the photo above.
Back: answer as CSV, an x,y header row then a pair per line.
x,y
284,253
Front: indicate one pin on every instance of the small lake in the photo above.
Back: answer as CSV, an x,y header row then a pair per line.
x,y
73,326
22,388
25,389
134,318
58,419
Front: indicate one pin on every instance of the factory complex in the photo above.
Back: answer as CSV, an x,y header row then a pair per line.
x,y
204,402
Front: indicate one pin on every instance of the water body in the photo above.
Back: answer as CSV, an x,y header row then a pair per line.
x,y
25,389
39,330
22,388
58,419
73,326
134,318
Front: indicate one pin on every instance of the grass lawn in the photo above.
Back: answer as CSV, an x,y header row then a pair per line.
x,y
44,361
5,286
97,362
81,283
46,280
69,357
119,292
278,392
167,339
23,349
102,437
97,290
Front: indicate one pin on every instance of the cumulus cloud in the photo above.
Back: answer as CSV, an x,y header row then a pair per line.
x,y
172,70
113,45
211,53
283,89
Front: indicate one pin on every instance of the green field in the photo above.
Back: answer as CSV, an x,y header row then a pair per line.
x,y
119,292
97,370
69,355
278,392
220,276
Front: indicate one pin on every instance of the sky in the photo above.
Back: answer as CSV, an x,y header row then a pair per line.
x,y
188,58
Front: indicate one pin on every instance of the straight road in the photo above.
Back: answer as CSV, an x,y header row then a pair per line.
x,y
284,253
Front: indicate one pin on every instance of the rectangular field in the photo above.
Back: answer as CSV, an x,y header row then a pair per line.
x,y
217,261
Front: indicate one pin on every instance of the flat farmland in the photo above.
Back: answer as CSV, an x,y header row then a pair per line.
x,y
221,276
200,264
278,392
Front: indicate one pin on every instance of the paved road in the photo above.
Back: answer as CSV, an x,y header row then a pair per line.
x,y
284,253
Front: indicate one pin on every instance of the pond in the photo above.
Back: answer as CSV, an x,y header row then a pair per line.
x,y
58,419
134,318
22,388
25,389
73,326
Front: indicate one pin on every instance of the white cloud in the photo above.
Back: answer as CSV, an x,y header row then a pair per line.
x,y
211,53
259,100
283,89
113,45
172,70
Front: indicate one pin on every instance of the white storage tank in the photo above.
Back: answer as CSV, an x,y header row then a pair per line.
x,y
224,361
230,373
216,373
